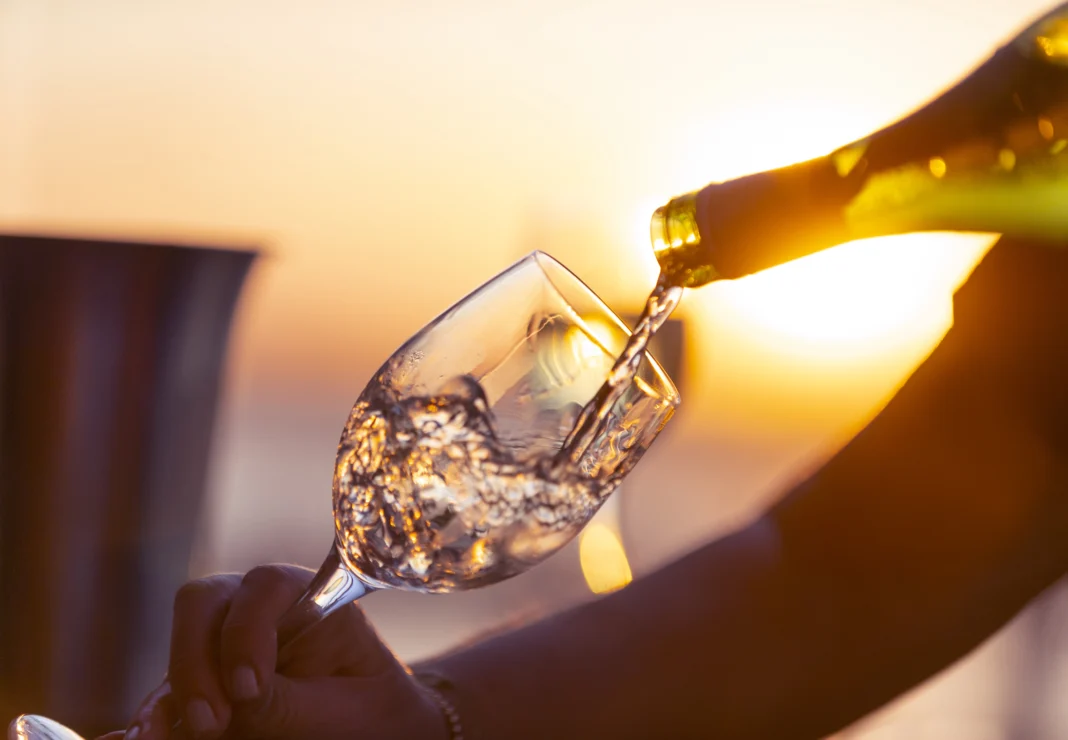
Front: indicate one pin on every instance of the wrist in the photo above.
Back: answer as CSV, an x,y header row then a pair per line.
x,y
441,692
464,686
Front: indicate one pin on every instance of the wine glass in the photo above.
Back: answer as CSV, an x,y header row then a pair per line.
x,y
450,471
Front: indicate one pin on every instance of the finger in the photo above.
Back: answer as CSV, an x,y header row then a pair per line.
x,y
200,609
248,637
155,716
119,735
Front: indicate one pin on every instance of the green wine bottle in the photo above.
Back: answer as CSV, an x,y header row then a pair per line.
x,y
989,155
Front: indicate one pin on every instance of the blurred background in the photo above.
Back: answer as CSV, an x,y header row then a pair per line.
x,y
389,157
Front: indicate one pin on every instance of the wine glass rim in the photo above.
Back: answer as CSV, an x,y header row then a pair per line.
x,y
556,272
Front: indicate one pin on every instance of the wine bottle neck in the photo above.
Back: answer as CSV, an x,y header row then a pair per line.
x,y
988,155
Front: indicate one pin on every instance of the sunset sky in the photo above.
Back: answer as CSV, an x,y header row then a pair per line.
x,y
391,156
388,157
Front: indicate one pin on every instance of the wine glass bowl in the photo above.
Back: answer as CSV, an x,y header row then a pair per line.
x,y
449,474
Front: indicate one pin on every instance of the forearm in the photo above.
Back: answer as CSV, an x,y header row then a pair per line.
x,y
919,539
761,634
622,665
746,639
924,536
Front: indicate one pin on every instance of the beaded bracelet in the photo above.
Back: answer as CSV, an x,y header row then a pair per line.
x,y
435,685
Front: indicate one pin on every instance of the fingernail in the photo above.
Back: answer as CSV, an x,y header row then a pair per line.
x,y
244,684
133,733
200,715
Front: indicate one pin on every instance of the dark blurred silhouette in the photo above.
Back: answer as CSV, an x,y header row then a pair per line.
x,y
110,366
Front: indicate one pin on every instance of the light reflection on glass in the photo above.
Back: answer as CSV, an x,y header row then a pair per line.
x,y
938,166
604,561
1051,40
1045,127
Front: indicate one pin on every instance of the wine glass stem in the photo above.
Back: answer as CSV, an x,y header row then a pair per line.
x,y
333,587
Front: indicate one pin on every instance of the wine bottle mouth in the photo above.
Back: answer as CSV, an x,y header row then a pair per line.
x,y
677,243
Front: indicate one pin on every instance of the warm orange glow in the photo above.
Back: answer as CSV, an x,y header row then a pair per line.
x,y
862,299
815,346
602,338
821,340
749,138
392,156
604,561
